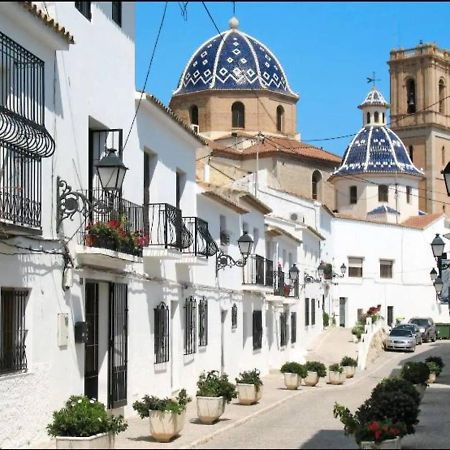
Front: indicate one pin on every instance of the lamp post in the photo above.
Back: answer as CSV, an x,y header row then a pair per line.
x,y
293,273
245,244
446,173
437,247
111,171
438,285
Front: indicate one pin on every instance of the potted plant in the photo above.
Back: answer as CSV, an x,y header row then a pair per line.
x,y
213,392
349,365
438,361
293,373
357,332
325,319
392,385
84,422
249,387
166,416
336,374
314,371
435,370
374,434
417,373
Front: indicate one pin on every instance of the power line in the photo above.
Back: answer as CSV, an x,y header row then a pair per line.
x,y
147,75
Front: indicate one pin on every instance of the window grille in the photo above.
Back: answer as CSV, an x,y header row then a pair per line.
x,y
161,333
386,268
203,322
190,326
283,329
355,267
293,327
313,311
257,330
85,9
13,356
306,312
116,12
234,318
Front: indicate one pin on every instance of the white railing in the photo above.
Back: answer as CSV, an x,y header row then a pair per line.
x,y
370,330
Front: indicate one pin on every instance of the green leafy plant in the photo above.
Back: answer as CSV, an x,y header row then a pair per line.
x,y
84,417
415,372
176,405
396,384
250,377
434,368
316,366
348,361
335,368
333,320
294,367
212,384
437,360
326,319
358,330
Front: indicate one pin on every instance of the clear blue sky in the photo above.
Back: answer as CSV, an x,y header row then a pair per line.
x,y
326,49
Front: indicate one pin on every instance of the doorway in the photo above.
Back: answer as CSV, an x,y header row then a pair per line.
x,y
91,345
390,315
342,308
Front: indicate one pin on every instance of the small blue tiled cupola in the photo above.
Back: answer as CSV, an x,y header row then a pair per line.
x,y
374,108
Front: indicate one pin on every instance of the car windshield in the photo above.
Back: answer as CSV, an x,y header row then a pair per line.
x,y
420,322
400,332
410,326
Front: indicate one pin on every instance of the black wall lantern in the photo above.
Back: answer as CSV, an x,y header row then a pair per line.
x,y
245,244
446,173
111,171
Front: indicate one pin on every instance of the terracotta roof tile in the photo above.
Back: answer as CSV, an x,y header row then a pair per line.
x,y
422,221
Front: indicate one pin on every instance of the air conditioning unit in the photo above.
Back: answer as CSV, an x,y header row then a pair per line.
x,y
295,217
195,128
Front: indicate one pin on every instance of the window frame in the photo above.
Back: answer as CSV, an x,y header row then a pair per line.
x,y
313,311
408,194
353,193
257,329
234,317
307,317
203,322
355,268
238,115
190,326
389,273
116,14
193,114
280,118
85,9
410,85
283,329
161,333
293,327
383,193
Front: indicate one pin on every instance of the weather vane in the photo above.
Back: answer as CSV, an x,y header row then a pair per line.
x,y
372,79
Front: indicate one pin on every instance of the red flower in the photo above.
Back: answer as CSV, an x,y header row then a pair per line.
x,y
377,435
115,224
373,426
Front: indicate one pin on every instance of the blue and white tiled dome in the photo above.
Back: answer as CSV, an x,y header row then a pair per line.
x,y
233,60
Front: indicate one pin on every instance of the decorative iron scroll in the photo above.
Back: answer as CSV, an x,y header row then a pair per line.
x,y
210,246
25,134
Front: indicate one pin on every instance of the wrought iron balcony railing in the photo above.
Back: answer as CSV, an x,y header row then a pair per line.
x,y
202,242
166,228
285,288
119,225
258,271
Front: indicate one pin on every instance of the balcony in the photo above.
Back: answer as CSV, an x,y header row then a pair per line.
x,y
167,234
283,288
257,274
112,236
202,245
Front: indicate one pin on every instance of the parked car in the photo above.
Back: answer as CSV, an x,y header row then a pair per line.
x,y
427,328
415,329
400,339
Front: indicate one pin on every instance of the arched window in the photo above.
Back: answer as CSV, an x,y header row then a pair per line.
x,y
238,115
376,116
441,96
280,118
316,185
193,115
353,195
368,117
383,193
411,96
384,118
411,153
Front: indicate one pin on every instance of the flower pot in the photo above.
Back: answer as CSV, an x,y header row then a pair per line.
x,y
292,380
432,378
349,371
336,377
420,389
395,443
355,339
248,394
312,378
164,425
209,409
102,440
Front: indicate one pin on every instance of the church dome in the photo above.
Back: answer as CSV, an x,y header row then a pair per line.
x,y
233,61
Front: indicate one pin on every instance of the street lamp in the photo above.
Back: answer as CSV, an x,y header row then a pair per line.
x,y
438,285
433,274
111,171
245,244
446,173
437,246
343,269
293,273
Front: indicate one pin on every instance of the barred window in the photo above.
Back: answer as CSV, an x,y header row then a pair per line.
x,y
12,330
203,322
293,327
161,333
190,326
283,329
313,311
257,330
306,312
355,267
386,268
234,318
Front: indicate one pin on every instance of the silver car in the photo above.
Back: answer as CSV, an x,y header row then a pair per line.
x,y
415,329
401,339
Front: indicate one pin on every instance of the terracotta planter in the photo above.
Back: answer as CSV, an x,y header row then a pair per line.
x,y
432,378
292,380
311,379
349,371
421,389
248,394
336,377
209,409
102,440
164,425
395,443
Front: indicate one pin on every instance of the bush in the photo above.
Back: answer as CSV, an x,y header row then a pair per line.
x,y
212,384
177,405
434,368
335,368
437,360
396,384
358,330
84,417
294,367
347,361
415,372
326,319
316,366
250,377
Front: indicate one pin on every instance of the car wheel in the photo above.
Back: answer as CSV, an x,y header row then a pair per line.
x,y
434,338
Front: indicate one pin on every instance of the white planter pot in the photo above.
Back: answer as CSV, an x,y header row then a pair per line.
x,y
209,409
311,379
248,394
102,440
336,377
355,339
420,389
292,380
349,371
432,378
164,425
387,444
